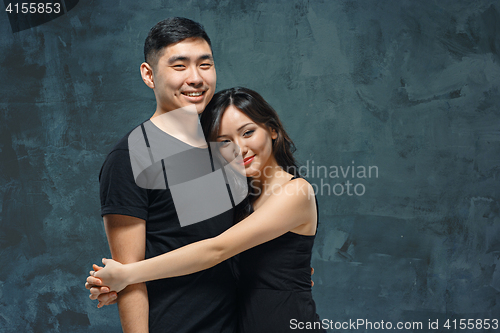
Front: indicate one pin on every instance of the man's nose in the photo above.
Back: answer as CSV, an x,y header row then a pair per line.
x,y
194,78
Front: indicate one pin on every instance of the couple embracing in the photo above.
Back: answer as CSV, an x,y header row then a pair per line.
x,y
245,268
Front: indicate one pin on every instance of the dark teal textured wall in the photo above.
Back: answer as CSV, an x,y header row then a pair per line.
x,y
408,87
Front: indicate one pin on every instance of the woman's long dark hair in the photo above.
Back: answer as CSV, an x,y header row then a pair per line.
x,y
256,108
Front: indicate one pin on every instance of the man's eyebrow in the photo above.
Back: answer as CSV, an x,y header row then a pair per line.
x,y
175,58
206,57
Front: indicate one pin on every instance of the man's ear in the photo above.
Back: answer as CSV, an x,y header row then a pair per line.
x,y
147,75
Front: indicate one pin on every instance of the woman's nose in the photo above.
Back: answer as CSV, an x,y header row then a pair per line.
x,y
236,150
240,149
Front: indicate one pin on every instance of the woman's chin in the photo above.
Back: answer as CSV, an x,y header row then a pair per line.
x,y
251,173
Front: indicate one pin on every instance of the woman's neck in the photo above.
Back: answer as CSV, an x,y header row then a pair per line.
x,y
271,178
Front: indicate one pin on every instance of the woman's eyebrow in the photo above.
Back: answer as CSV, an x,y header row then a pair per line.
x,y
239,129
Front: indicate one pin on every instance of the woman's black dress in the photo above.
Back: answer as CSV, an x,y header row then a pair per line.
x,y
275,286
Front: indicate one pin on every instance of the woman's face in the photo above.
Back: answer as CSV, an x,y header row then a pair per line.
x,y
240,134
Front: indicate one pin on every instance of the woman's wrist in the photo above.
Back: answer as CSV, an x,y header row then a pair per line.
x,y
128,273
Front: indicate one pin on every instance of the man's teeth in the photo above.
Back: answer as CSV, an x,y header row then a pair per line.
x,y
194,94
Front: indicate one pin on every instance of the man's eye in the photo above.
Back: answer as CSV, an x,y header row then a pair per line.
x,y
178,67
206,66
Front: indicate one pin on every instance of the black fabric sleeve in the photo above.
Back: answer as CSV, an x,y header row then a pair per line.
x,y
118,191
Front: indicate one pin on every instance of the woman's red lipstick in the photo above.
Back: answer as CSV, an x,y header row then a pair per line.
x,y
248,160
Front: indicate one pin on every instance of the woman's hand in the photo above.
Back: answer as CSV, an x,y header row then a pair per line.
x,y
114,275
98,291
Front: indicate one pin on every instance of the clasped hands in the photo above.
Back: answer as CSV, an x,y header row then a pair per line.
x,y
104,283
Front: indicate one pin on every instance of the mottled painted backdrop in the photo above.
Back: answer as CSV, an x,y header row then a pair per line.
x,y
410,88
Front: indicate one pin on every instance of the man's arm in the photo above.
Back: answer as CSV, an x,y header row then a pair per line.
x,y
127,242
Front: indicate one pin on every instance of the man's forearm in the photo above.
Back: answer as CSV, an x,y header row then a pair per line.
x,y
127,243
133,307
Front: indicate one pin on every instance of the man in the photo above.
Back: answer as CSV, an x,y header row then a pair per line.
x,y
142,222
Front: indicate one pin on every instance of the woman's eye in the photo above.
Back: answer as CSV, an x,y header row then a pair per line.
x,y
224,143
248,133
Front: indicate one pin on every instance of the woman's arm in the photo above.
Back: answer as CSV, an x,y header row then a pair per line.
x,y
289,207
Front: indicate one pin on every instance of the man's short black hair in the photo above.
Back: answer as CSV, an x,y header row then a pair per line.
x,y
170,31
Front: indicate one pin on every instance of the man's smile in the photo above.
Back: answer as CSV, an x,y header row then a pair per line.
x,y
193,93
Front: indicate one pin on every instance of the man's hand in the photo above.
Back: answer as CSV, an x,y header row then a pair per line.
x,y
98,291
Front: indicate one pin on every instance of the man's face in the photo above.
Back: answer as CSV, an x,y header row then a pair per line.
x,y
185,75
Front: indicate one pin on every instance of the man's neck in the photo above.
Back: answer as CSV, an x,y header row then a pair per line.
x,y
182,124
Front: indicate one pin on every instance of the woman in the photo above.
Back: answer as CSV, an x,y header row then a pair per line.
x,y
276,228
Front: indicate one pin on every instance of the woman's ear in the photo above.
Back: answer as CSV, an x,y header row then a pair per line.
x,y
274,134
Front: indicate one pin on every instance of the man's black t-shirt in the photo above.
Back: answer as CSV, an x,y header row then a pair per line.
x,y
199,302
